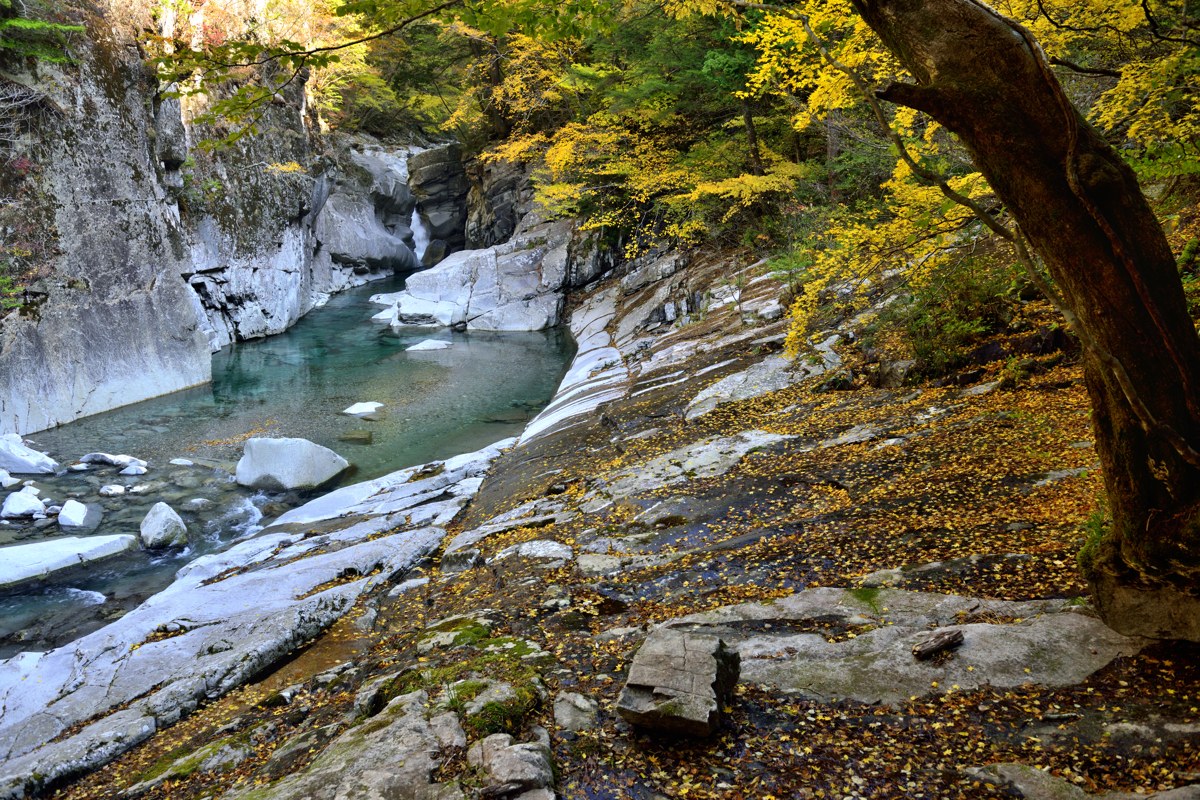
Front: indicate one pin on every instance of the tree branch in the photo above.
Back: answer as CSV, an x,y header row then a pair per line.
x,y
1098,71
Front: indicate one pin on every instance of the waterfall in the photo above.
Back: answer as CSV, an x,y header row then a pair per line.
x,y
420,234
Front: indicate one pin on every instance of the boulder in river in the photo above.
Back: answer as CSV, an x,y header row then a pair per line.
x,y
73,514
21,504
162,527
7,480
122,461
282,464
16,457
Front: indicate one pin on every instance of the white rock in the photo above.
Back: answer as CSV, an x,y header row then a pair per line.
x,y
29,562
16,457
162,527
73,514
31,489
281,464
21,504
133,469
362,408
79,468
112,490
7,480
428,344
181,462
115,461
538,548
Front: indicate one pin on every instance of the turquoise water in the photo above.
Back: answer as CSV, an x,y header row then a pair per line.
x,y
436,404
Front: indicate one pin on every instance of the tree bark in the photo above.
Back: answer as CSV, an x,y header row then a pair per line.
x,y
1081,209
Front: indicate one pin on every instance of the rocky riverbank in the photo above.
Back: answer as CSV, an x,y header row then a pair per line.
x,y
689,486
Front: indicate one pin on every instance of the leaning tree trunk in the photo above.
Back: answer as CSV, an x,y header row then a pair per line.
x,y
1082,210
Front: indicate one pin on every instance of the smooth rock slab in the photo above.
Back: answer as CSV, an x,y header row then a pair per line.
x,y
23,563
163,527
1054,643
283,464
16,457
679,683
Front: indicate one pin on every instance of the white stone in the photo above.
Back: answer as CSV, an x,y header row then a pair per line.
x,y
429,344
133,469
111,460
7,480
362,408
79,467
16,457
31,489
23,563
21,504
282,464
163,527
112,490
181,462
73,514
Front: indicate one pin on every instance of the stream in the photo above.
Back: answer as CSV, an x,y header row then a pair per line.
x,y
436,403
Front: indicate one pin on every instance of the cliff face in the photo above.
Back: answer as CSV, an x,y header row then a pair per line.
x,y
112,322
156,252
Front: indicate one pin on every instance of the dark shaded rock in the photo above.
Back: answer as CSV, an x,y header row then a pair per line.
x,y
679,683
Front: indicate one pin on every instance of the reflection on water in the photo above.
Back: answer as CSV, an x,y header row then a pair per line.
x,y
436,403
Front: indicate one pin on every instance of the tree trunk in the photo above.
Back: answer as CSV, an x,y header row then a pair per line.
x,y
1082,210
756,162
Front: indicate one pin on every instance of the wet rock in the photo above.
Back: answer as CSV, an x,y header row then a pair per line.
x,y
8,481
162,527
679,683
112,490
197,504
574,712
295,751
133,469
284,464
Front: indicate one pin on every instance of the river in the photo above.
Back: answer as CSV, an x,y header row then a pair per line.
x,y
436,403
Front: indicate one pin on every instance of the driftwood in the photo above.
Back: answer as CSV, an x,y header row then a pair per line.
x,y
938,643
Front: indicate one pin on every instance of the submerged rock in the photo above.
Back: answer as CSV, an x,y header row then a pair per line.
x,y
16,457
162,527
25,563
362,408
283,464
428,344
680,683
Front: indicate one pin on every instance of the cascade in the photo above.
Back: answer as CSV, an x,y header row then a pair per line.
x,y
420,234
